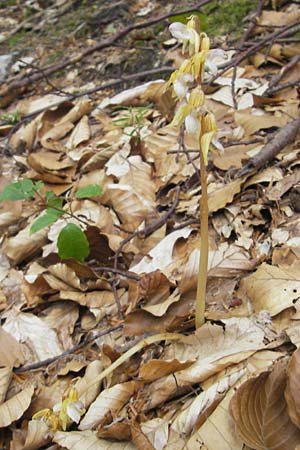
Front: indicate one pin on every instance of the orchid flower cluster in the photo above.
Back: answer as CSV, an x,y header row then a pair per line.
x,y
69,410
192,113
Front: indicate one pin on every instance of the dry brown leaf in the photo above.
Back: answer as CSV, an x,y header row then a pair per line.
x,y
139,438
87,390
49,162
5,379
15,407
38,336
292,388
24,245
157,368
252,123
87,440
260,412
232,157
37,435
157,432
111,401
214,348
221,197
62,317
272,288
11,351
81,133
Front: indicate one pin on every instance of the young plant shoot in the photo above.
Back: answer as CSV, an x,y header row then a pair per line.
x,y
186,83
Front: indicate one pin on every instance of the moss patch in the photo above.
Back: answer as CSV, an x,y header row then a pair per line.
x,y
224,17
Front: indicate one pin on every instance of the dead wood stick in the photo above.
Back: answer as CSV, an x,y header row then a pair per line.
x,y
285,136
74,349
282,86
276,78
29,79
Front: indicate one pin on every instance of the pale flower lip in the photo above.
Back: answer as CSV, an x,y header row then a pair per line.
x,y
213,58
181,32
180,85
192,123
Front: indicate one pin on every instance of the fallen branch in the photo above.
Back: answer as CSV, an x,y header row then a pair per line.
x,y
285,136
29,79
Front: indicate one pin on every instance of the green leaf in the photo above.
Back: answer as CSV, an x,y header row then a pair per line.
x,y
47,219
20,190
72,243
92,190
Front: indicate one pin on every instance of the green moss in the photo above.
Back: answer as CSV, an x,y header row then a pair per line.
x,y
16,38
227,16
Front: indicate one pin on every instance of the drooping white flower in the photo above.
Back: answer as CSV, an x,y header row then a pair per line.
x,y
180,85
181,32
192,123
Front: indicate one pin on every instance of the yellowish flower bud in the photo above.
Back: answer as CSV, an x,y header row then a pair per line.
x,y
196,97
208,123
194,23
205,43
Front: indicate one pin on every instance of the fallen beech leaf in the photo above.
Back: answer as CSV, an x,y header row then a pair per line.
x,y
40,338
23,245
272,288
221,197
5,379
87,440
157,432
111,401
81,133
139,438
292,388
15,407
214,347
11,351
252,123
37,435
260,412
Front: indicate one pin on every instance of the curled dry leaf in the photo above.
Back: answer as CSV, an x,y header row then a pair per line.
x,y
15,407
40,338
5,379
11,351
87,440
109,401
23,245
293,388
273,288
260,412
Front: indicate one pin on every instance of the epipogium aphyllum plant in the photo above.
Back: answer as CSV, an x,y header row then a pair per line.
x,y
186,83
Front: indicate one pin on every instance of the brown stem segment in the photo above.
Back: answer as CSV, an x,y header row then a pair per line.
x,y
202,275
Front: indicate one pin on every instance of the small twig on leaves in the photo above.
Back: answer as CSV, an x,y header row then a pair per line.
x,y
123,273
113,285
282,86
24,82
233,78
276,78
285,136
74,349
253,23
148,229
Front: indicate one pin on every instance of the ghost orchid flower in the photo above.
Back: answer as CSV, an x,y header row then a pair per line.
x,y
180,85
187,35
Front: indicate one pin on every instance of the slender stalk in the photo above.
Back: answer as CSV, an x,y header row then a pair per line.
x,y
202,275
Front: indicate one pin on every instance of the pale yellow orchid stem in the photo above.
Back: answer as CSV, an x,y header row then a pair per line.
x,y
202,274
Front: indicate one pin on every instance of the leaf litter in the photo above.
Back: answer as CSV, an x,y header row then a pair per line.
x,y
99,351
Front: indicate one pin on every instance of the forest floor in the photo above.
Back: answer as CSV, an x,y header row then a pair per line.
x,y
98,347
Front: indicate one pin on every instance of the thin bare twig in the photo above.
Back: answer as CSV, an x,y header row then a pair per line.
x,y
123,273
276,78
48,361
283,86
